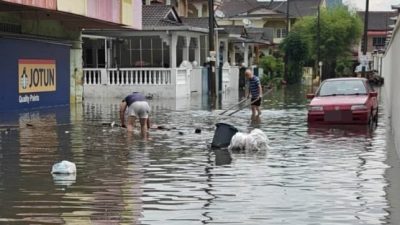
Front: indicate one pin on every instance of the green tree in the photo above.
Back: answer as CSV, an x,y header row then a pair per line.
x,y
296,48
340,29
273,70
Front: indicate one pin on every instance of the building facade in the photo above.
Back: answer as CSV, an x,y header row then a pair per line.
x,y
41,45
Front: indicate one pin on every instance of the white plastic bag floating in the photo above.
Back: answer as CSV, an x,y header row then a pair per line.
x,y
64,179
64,167
256,140
238,141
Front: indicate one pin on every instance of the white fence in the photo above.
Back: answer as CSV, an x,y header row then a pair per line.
x,y
132,76
158,82
390,70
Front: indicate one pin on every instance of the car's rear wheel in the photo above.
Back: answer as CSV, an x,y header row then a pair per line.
x,y
376,116
372,120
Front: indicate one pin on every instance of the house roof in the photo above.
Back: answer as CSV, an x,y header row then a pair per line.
x,y
196,21
242,34
159,16
265,33
164,17
379,20
235,30
251,8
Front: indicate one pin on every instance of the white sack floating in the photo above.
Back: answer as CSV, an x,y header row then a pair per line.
x,y
256,140
64,167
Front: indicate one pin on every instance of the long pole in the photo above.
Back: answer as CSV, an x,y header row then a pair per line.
x,y
211,69
319,40
365,37
287,33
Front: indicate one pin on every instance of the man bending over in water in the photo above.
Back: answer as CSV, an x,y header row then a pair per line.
x,y
136,106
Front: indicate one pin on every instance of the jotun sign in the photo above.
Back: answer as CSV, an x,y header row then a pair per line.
x,y
36,75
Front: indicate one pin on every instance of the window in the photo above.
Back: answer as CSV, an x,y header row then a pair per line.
x,y
280,32
378,41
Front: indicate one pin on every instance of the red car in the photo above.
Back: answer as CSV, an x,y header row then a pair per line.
x,y
343,101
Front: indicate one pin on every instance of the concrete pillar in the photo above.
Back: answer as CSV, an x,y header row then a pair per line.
x,y
108,52
246,55
206,53
76,70
168,2
232,55
148,2
225,53
199,8
185,49
172,50
197,55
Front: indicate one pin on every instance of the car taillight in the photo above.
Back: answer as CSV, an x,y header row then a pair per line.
x,y
358,107
315,108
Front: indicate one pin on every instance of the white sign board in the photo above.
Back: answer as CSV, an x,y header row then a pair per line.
x,y
363,60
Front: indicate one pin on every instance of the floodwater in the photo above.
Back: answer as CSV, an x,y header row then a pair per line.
x,y
309,176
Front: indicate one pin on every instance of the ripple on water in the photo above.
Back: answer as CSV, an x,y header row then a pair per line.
x,y
309,176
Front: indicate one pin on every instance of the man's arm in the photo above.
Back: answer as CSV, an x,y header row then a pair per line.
x,y
122,108
260,90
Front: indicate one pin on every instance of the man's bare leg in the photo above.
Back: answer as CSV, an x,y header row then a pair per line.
x,y
143,126
131,123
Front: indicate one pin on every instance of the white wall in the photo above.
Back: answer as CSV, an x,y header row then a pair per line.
x,y
196,80
234,78
390,72
120,91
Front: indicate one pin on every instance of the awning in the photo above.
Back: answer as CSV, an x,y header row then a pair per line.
x,y
377,33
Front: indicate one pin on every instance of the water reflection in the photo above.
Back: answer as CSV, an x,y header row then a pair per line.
x,y
64,179
325,131
310,175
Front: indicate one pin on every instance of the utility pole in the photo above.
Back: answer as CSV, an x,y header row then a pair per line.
x,y
365,38
319,42
285,76
212,53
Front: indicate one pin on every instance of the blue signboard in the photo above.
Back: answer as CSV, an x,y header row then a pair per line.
x,y
34,74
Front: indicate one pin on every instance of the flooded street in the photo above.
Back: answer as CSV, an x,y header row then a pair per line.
x,y
309,176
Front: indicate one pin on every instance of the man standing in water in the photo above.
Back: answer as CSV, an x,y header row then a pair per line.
x,y
255,92
135,106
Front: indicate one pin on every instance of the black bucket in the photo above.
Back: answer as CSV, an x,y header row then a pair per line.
x,y
223,135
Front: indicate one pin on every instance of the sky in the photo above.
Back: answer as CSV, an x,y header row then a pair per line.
x,y
374,5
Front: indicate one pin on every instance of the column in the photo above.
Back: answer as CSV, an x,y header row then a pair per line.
x,y
246,55
185,49
197,55
225,54
199,8
76,70
172,50
232,54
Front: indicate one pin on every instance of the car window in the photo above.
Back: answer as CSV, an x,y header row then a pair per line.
x,y
342,87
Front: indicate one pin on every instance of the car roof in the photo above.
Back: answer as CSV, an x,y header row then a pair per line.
x,y
346,78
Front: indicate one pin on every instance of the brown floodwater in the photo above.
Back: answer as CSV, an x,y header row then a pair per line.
x,y
310,175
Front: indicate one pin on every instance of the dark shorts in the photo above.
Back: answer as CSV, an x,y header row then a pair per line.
x,y
256,103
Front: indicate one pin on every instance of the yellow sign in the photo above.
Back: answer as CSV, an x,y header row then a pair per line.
x,y
36,75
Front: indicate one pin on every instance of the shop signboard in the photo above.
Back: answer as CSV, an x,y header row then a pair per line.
x,y
35,74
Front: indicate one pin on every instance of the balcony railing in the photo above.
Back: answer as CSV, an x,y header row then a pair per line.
x,y
134,76
113,82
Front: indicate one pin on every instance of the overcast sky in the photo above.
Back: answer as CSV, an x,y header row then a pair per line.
x,y
374,5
